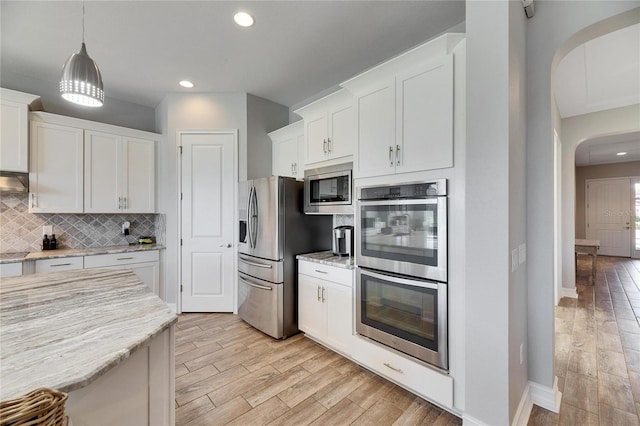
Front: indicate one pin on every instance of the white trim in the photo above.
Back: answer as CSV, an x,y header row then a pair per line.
x,y
568,292
468,420
524,408
546,397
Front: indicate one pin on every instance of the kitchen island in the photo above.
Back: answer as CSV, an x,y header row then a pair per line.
x,y
100,335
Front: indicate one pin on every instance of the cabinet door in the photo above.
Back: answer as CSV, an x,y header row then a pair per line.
x,y
311,310
287,157
138,192
102,172
299,166
316,139
425,117
376,131
342,132
56,174
339,306
14,153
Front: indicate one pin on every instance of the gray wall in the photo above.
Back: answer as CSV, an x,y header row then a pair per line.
x,y
601,171
263,116
113,111
556,28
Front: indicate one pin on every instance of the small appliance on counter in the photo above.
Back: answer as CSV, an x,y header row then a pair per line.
x,y
343,240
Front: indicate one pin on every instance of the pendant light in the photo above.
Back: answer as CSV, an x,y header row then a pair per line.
x,y
81,81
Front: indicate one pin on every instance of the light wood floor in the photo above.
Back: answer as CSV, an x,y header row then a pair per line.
x,y
597,355
230,373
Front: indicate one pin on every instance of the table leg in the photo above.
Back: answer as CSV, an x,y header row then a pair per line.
x,y
594,266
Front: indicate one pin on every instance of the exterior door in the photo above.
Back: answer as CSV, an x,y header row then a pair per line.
x,y
608,215
209,177
635,218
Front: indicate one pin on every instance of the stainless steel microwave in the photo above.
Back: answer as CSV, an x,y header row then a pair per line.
x,y
329,190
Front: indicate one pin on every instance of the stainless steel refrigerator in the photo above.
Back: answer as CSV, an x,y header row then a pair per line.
x,y
273,230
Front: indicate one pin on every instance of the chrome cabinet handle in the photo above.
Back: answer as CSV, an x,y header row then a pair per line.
x,y
318,293
60,264
324,146
119,203
125,258
321,272
390,156
125,203
295,168
386,364
398,155
323,298
329,145
33,199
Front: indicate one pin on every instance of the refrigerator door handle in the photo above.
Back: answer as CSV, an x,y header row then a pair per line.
x,y
249,216
261,287
259,265
254,216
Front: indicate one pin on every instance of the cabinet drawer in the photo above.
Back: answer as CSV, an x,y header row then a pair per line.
x,y
59,264
10,269
324,272
101,260
410,374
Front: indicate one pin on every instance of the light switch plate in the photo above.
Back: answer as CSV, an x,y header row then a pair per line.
x,y
47,230
522,253
514,260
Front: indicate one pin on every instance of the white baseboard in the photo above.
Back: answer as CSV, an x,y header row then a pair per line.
x,y
546,397
524,408
569,292
173,307
468,420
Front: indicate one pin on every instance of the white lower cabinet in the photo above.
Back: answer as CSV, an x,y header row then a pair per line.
x,y
144,263
10,270
59,264
325,304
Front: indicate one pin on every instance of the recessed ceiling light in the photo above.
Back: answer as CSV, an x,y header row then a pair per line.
x,y
621,153
186,83
243,19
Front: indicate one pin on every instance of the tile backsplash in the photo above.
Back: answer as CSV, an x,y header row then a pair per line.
x,y
22,231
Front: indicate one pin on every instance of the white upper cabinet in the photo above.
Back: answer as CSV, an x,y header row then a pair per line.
x,y
405,111
55,180
14,130
80,166
329,127
118,174
288,150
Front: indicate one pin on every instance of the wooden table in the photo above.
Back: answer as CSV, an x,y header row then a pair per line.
x,y
589,247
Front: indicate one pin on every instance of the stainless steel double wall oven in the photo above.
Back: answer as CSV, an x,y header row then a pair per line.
x,y
401,288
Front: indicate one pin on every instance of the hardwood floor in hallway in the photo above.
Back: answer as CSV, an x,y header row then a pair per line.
x,y
229,373
597,355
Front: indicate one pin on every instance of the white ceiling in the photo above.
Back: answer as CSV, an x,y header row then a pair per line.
x,y
295,50
602,74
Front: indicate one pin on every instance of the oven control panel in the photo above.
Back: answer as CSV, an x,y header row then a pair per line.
x,y
405,191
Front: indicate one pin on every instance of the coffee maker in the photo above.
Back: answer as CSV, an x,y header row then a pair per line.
x,y
343,240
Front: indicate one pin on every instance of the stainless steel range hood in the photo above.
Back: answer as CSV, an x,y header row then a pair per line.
x,y
14,182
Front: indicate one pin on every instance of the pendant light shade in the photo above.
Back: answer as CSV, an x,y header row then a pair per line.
x,y
81,81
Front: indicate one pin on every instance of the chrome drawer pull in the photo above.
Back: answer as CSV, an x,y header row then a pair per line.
x,y
386,364
60,264
321,272
125,258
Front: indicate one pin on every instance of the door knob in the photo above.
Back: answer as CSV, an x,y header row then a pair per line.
x,y
228,245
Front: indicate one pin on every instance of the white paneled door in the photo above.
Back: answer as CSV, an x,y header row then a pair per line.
x,y
608,215
209,177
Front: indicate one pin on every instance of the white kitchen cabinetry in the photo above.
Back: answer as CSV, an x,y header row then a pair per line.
x,y
14,130
287,150
329,127
59,264
405,111
325,304
55,180
119,174
10,269
144,263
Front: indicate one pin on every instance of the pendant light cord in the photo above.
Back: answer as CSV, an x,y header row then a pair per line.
x,y
82,21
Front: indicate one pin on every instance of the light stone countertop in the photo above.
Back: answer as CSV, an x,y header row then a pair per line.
x,y
63,330
82,251
328,258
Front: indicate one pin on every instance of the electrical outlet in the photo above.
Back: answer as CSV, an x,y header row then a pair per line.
x,y
514,260
521,353
47,230
522,253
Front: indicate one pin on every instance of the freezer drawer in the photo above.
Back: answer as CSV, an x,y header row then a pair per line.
x,y
260,304
268,270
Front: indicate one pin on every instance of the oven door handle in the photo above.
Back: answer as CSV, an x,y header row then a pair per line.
x,y
398,280
402,202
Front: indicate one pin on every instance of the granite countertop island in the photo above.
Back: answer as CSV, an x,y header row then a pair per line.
x,y
63,330
328,258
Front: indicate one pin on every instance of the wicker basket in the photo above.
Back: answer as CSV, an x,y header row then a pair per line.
x,y
41,407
